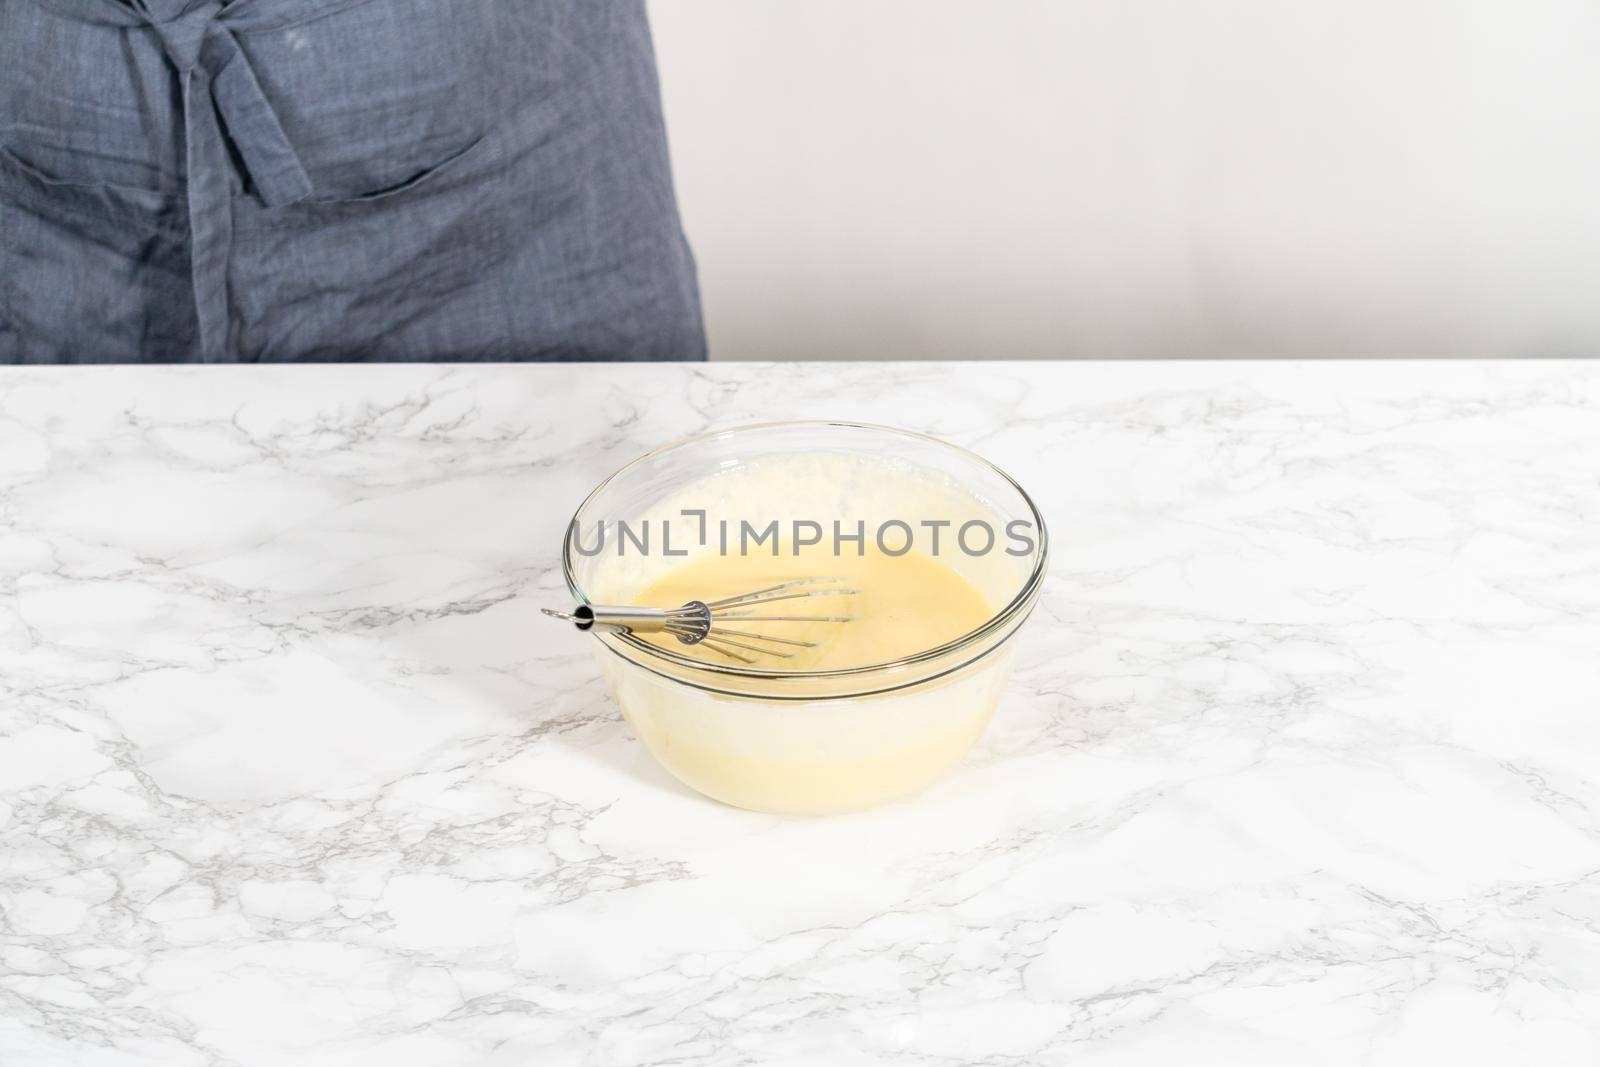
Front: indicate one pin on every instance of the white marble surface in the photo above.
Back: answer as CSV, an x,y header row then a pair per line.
x,y
1301,764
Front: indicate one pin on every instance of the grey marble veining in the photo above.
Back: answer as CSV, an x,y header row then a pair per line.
x,y
1299,764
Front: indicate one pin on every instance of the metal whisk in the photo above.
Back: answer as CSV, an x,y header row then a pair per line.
x,y
701,622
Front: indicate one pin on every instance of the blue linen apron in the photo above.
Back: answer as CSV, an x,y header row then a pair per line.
x,y
281,180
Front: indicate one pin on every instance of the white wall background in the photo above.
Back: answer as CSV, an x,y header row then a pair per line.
x,y
1108,178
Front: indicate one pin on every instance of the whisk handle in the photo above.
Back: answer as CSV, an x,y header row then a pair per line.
x,y
688,624
616,618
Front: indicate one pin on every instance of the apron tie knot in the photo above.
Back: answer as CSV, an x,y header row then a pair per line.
x,y
197,38
182,27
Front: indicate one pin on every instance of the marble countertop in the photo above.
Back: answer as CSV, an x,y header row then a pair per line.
x,y
1300,763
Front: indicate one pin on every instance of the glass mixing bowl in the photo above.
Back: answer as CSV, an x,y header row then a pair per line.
x,y
808,741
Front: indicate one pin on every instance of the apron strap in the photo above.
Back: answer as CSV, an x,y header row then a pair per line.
x,y
270,160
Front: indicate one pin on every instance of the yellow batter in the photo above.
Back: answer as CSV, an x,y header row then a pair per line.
x,y
902,605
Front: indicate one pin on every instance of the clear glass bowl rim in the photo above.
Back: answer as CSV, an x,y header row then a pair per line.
x,y
1016,609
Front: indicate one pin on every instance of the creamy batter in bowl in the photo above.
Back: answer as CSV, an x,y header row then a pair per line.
x,y
831,736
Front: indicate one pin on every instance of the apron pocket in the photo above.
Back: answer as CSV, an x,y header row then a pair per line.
x,y
448,187
409,272
26,182
415,183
